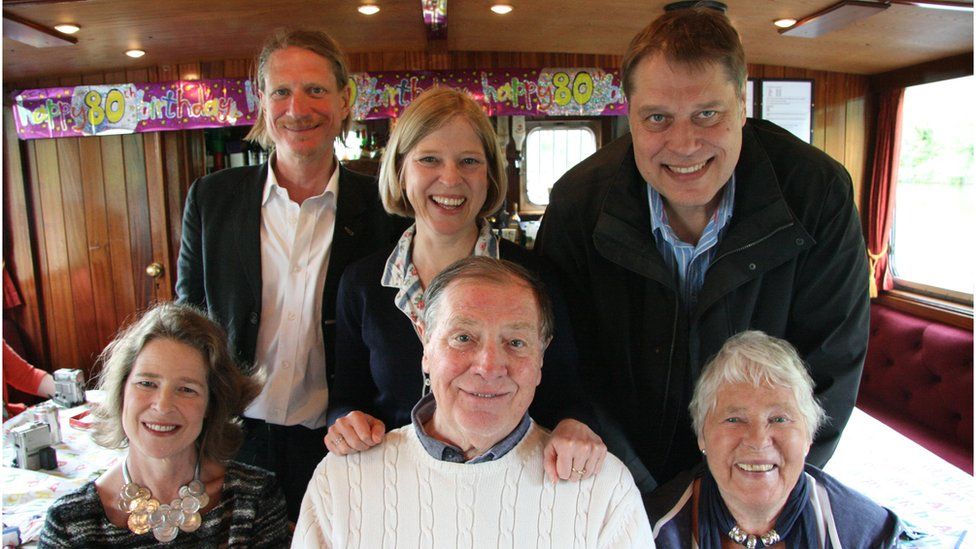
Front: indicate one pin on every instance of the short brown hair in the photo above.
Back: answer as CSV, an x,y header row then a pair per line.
x,y
695,36
316,42
428,113
229,390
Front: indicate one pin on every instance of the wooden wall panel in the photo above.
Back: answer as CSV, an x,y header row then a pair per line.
x,y
99,253
56,265
82,303
117,216
137,204
158,217
18,246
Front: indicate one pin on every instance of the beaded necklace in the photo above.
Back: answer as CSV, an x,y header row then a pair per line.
x,y
165,520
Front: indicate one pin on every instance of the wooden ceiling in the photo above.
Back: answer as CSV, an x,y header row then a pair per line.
x,y
174,31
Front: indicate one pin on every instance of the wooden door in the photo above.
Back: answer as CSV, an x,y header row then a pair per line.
x,y
86,218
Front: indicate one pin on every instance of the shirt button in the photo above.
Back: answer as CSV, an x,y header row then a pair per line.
x,y
298,268
291,316
752,266
800,241
254,318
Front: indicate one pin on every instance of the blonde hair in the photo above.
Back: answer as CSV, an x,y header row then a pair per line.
x,y
428,113
316,42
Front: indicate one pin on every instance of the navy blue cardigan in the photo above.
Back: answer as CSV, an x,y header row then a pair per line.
x,y
378,353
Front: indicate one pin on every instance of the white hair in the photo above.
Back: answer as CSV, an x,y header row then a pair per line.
x,y
759,359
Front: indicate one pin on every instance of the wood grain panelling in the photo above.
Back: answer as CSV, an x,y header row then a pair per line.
x,y
158,217
97,228
137,203
87,215
117,215
56,262
82,301
18,246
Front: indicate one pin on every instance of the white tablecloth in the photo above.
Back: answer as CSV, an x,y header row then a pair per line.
x,y
928,492
27,494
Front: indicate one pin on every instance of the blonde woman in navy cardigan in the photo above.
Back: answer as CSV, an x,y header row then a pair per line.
x,y
444,168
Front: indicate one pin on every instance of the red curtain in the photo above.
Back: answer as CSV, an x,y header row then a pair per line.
x,y
884,176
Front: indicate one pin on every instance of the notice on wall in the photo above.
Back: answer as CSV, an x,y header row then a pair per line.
x,y
789,104
750,97
151,107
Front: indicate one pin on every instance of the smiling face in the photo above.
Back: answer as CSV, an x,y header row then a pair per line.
x,y
303,104
686,124
755,442
484,357
165,400
446,179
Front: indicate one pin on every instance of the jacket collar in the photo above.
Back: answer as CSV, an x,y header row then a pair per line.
x,y
622,233
623,227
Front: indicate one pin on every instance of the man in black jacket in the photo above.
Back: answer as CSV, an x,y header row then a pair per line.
x,y
263,248
696,226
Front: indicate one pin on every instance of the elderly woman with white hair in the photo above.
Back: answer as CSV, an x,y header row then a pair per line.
x,y
755,416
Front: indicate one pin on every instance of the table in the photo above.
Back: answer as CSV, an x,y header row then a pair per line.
x,y
27,494
928,492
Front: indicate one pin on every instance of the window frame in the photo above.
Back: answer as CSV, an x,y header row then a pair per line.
x,y
592,124
926,295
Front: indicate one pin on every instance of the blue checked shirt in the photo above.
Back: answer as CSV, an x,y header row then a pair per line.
x,y
424,411
690,262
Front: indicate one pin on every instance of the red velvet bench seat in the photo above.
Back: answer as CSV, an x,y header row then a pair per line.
x,y
918,379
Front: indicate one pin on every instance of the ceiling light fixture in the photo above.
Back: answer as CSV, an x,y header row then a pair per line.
x,y
784,23
502,9
368,9
935,4
67,28
135,54
835,17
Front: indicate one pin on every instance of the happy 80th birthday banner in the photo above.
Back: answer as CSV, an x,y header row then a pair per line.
x,y
180,105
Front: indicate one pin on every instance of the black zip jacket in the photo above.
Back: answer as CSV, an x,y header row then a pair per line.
x,y
792,264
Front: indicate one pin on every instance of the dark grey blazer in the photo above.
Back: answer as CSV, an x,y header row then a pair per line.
x,y
219,267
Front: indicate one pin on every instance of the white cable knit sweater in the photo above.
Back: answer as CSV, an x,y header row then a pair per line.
x,y
397,495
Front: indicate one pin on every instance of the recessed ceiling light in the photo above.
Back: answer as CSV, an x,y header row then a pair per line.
x,y
502,9
784,23
368,9
67,28
135,54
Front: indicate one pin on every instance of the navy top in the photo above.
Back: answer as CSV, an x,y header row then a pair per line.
x,y
378,352
858,522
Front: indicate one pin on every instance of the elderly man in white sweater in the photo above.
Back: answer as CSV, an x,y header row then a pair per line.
x,y
468,472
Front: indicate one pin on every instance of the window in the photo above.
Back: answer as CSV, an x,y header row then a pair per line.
x,y
931,248
352,148
551,149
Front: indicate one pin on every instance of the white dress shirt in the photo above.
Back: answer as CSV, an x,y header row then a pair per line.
x,y
296,242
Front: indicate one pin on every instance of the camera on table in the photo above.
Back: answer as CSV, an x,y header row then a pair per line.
x,y
69,387
33,444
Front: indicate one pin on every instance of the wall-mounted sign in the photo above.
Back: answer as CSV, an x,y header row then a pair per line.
x,y
789,104
127,108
